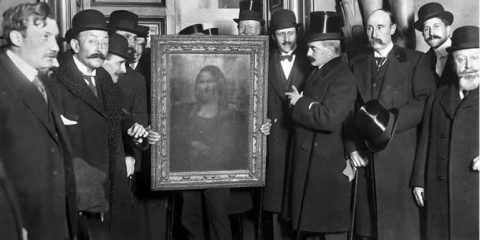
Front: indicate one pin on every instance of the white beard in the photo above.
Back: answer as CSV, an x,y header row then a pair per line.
x,y
470,82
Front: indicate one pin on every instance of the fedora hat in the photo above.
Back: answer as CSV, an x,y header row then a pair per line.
x,y
118,45
432,10
211,31
123,20
324,26
282,19
250,10
192,29
89,19
142,31
376,124
464,38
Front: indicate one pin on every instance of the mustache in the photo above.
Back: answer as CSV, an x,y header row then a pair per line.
x,y
377,40
433,37
311,59
287,43
97,55
468,72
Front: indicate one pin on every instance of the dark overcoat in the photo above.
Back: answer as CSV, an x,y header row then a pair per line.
x,y
279,112
407,82
448,73
316,180
36,156
97,134
451,186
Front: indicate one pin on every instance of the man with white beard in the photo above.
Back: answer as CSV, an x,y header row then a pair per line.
x,y
445,178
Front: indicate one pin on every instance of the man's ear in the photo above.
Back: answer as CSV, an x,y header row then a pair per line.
x,y
75,45
393,29
16,38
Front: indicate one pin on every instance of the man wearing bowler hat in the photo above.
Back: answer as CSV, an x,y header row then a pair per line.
x,y
435,24
397,78
448,167
288,67
91,110
250,20
318,203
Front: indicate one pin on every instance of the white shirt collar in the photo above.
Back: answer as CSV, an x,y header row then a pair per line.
x,y
83,69
289,53
384,52
24,67
441,51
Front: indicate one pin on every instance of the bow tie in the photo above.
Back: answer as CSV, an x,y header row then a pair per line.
x,y
288,57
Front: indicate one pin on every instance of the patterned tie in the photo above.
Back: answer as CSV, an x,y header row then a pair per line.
x,y
90,80
379,61
288,57
38,83
465,93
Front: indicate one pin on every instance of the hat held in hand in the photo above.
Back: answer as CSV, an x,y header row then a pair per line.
x,y
376,124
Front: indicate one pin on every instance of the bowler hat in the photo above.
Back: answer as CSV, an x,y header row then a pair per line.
x,y
192,29
142,31
211,31
432,10
69,35
463,38
324,26
89,19
250,10
118,45
376,124
282,19
123,20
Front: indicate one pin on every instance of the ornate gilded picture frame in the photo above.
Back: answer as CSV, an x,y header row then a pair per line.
x,y
209,99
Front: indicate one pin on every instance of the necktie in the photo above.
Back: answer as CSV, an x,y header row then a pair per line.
x,y
38,83
90,84
465,93
379,61
440,64
288,57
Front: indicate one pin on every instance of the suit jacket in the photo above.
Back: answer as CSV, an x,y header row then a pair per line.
x,y
444,169
36,156
278,142
11,221
406,83
448,73
144,67
318,192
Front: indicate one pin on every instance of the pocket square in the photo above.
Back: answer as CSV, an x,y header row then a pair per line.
x,y
67,121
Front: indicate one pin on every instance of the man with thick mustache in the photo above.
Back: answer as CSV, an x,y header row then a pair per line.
x,y
449,172
397,78
92,112
435,24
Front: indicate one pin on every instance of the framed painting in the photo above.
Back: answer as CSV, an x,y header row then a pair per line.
x,y
209,99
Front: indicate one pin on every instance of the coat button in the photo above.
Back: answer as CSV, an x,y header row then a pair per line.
x,y
52,149
55,173
374,85
275,120
315,144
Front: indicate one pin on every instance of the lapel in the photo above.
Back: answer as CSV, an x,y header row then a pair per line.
x,y
450,99
397,65
365,80
277,77
29,94
73,80
470,100
295,80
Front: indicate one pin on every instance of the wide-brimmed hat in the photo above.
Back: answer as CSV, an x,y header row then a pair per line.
x,y
123,20
250,10
324,26
432,10
118,45
192,29
464,38
89,19
142,31
282,19
211,31
376,125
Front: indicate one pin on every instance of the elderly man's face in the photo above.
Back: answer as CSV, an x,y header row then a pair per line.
x,y
91,47
321,52
39,46
467,65
435,32
286,39
380,30
249,27
115,66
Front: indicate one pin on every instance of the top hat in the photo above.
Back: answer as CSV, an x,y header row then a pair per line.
x,y
324,26
89,19
376,124
142,31
463,38
118,45
192,29
431,10
282,19
211,31
250,10
123,20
